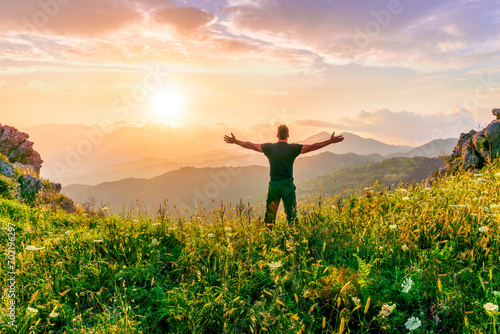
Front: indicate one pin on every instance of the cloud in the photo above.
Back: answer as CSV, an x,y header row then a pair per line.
x,y
184,19
422,35
402,125
67,17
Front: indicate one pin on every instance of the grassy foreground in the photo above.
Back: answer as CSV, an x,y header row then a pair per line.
x,y
419,260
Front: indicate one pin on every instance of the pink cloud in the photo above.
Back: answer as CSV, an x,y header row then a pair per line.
x,y
184,19
67,17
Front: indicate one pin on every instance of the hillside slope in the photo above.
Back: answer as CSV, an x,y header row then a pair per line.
x,y
387,173
417,259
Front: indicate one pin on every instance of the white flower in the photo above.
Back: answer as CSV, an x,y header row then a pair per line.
x,y
154,242
393,227
156,224
491,308
427,189
406,198
458,206
406,285
483,229
33,248
386,310
67,232
413,323
356,301
53,314
404,191
31,311
404,247
210,235
98,240
275,265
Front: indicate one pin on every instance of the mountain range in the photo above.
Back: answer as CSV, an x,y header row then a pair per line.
x,y
235,156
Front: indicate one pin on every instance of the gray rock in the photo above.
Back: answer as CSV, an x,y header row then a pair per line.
x,y
496,112
475,149
57,187
30,186
15,145
69,206
7,169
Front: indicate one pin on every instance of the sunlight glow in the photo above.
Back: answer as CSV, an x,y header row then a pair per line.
x,y
167,106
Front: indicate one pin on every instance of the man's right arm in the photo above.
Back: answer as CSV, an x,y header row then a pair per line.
x,y
317,146
245,144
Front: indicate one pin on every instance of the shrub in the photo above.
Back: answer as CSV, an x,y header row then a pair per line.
x,y
8,187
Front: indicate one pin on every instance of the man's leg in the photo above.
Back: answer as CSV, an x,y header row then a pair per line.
x,y
289,202
272,203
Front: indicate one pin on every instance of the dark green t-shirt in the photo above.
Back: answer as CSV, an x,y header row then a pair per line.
x,y
281,156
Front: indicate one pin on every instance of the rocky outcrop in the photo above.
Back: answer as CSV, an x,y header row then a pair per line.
x,y
475,148
15,145
19,176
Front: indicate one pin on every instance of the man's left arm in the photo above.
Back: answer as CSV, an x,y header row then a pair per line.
x,y
316,146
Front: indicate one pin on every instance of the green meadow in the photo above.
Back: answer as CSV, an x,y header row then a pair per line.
x,y
419,259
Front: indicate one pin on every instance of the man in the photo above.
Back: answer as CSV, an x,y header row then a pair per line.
x,y
281,157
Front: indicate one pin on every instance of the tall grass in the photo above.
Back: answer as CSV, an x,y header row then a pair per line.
x,y
418,259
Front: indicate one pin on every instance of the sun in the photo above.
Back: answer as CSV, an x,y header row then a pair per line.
x,y
168,105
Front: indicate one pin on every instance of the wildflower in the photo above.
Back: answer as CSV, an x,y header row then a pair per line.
x,y
406,285
53,314
393,227
386,310
455,275
275,265
210,235
154,242
413,323
427,189
98,240
404,247
406,198
491,308
156,224
67,232
33,248
32,311
483,229
356,301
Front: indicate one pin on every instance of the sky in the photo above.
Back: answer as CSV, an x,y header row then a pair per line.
x,y
403,72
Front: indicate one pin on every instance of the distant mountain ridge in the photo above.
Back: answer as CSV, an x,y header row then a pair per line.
x,y
233,156
224,183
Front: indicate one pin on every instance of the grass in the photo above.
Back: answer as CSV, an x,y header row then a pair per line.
x,y
419,260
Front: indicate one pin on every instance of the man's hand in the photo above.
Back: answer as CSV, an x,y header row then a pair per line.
x,y
230,140
336,139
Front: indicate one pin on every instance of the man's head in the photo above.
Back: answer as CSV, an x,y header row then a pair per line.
x,y
282,132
